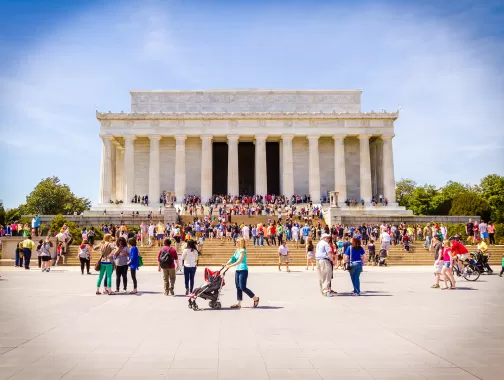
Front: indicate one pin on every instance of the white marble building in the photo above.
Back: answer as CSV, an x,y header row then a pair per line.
x,y
249,140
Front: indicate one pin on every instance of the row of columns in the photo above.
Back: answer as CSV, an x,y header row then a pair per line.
x,y
124,187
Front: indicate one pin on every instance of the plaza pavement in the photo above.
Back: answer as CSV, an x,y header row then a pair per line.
x,y
53,326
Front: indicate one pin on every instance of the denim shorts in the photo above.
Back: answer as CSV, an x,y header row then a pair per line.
x,y
447,264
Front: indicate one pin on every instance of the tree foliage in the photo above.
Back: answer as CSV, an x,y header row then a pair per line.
x,y
491,188
50,197
14,214
2,213
471,204
485,200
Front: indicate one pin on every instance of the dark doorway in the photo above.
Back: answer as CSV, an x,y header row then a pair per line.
x,y
219,167
246,168
273,167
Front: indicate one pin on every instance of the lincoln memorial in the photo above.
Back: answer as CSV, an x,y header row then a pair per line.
x,y
246,141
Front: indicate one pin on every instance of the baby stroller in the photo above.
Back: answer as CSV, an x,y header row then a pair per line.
x,y
214,282
480,262
381,259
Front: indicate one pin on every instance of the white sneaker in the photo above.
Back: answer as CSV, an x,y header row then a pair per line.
x,y
328,294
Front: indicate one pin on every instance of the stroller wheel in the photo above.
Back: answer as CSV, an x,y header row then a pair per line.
x,y
218,305
212,304
190,304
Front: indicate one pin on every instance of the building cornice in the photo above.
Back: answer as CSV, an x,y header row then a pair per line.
x,y
243,115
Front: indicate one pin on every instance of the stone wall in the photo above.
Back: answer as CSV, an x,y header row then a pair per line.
x,y
300,160
352,167
326,158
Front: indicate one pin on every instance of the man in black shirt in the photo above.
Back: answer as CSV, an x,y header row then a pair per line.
x,y
436,243
470,232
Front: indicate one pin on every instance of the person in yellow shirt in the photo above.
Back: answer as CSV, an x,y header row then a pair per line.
x,y
28,246
483,247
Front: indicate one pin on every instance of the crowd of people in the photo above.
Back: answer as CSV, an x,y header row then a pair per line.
x,y
347,247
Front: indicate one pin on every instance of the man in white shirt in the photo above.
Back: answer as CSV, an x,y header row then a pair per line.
x,y
324,256
151,230
245,232
385,240
283,256
295,234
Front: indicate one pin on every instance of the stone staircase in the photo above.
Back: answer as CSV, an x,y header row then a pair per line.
x,y
216,253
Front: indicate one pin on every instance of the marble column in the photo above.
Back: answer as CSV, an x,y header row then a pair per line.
x,y
339,168
365,169
119,173
113,173
388,170
379,166
106,172
129,168
180,168
233,185
206,167
314,169
287,166
374,167
154,174
261,179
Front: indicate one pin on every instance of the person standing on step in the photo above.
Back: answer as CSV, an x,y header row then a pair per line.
x,y
295,234
283,257
45,254
133,262
310,255
168,262
239,260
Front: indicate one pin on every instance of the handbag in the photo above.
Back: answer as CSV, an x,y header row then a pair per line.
x,y
347,265
140,261
97,266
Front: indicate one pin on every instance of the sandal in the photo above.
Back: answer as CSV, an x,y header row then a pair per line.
x,y
256,302
98,293
236,306
134,291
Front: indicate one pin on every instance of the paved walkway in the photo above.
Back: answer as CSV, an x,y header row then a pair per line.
x,y
52,326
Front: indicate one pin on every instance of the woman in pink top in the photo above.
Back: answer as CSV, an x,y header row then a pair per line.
x,y
491,232
447,257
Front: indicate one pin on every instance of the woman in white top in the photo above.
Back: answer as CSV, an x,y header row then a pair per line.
x,y
189,260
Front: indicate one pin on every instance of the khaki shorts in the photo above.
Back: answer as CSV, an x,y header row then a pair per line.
x,y
284,259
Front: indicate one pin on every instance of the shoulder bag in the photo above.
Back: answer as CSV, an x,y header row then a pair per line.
x,y
347,265
97,266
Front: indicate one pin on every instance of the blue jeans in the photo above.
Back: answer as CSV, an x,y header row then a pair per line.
x,y
19,259
241,284
355,271
427,241
27,255
261,240
255,239
288,234
189,273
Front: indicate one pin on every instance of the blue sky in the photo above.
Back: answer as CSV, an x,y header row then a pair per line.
x,y
441,61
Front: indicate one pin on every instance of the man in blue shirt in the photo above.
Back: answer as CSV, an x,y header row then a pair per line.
x,y
306,233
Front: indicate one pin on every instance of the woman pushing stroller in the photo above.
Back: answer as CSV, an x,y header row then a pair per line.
x,y
239,260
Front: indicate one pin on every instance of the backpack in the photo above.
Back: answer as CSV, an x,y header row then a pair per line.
x,y
166,259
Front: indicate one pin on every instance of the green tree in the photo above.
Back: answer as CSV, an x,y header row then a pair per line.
x,y
404,191
2,213
14,214
51,197
470,204
442,202
421,200
491,189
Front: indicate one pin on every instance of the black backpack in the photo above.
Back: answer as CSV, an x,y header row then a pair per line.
x,y
166,259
